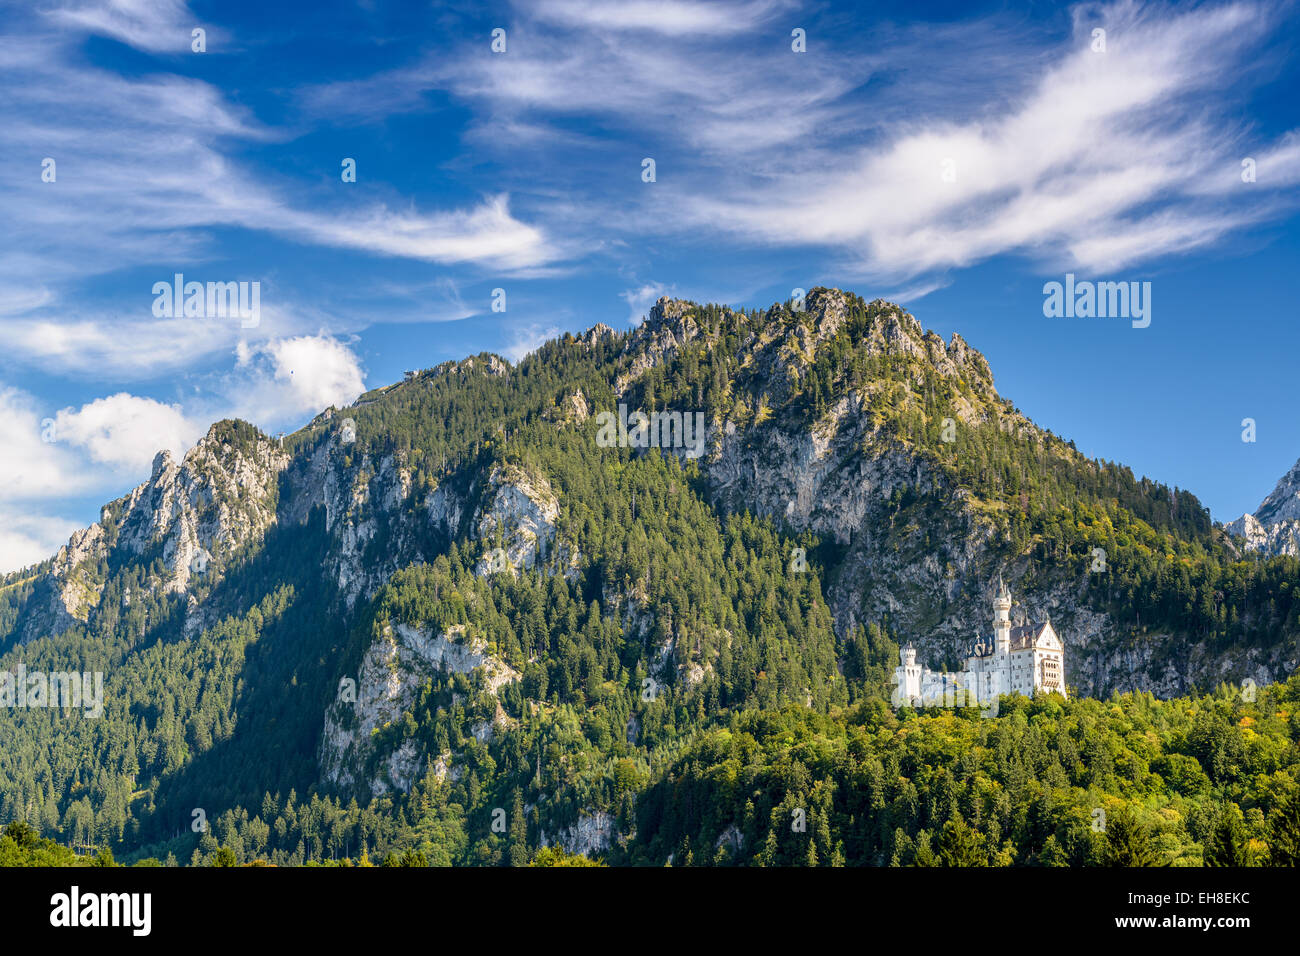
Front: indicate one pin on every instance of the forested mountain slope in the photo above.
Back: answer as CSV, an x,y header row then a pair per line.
x,y
450,620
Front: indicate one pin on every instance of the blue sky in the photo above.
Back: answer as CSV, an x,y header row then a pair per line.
x,y
952,158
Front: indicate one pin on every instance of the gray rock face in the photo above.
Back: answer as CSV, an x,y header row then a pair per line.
x,y
393,669
592,833
667,328
1283,502
519,510
595,334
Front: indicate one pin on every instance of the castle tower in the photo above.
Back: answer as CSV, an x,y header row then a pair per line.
x,y
1002,619
907,676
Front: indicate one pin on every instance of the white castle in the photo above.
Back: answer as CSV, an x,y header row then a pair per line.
x,y
1019,659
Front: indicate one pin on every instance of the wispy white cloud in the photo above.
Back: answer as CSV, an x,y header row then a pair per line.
x,y
593,61
157,26
1104,162
933,150
132,345
486,233
114,348
666,17
145,167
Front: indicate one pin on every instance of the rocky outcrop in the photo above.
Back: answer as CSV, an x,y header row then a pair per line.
x,y
596,334
669,326
1281,537
516,520
393,669
593,833
356,500
363,496
445,508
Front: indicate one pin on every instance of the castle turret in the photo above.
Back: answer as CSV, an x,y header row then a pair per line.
x,y
1002,619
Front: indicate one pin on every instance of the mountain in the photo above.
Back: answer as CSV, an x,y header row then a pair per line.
x,y
1274,528
487,588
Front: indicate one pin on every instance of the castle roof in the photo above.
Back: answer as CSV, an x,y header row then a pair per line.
x,y
1023,638
1027,635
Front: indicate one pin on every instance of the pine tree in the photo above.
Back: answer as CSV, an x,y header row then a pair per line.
x,y
959,845
1227,844
1284,830
1128,842
518,852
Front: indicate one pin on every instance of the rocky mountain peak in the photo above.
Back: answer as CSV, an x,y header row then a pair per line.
x,y
595,334
1283,502
829,308
667,312
1274,528
219,497
789,339
161,461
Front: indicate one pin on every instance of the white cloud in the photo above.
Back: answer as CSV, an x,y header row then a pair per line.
x,y
684,92
125,431
486,234
1103,163
33,464
667,17
144,171
1062,155
279,381
115,348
